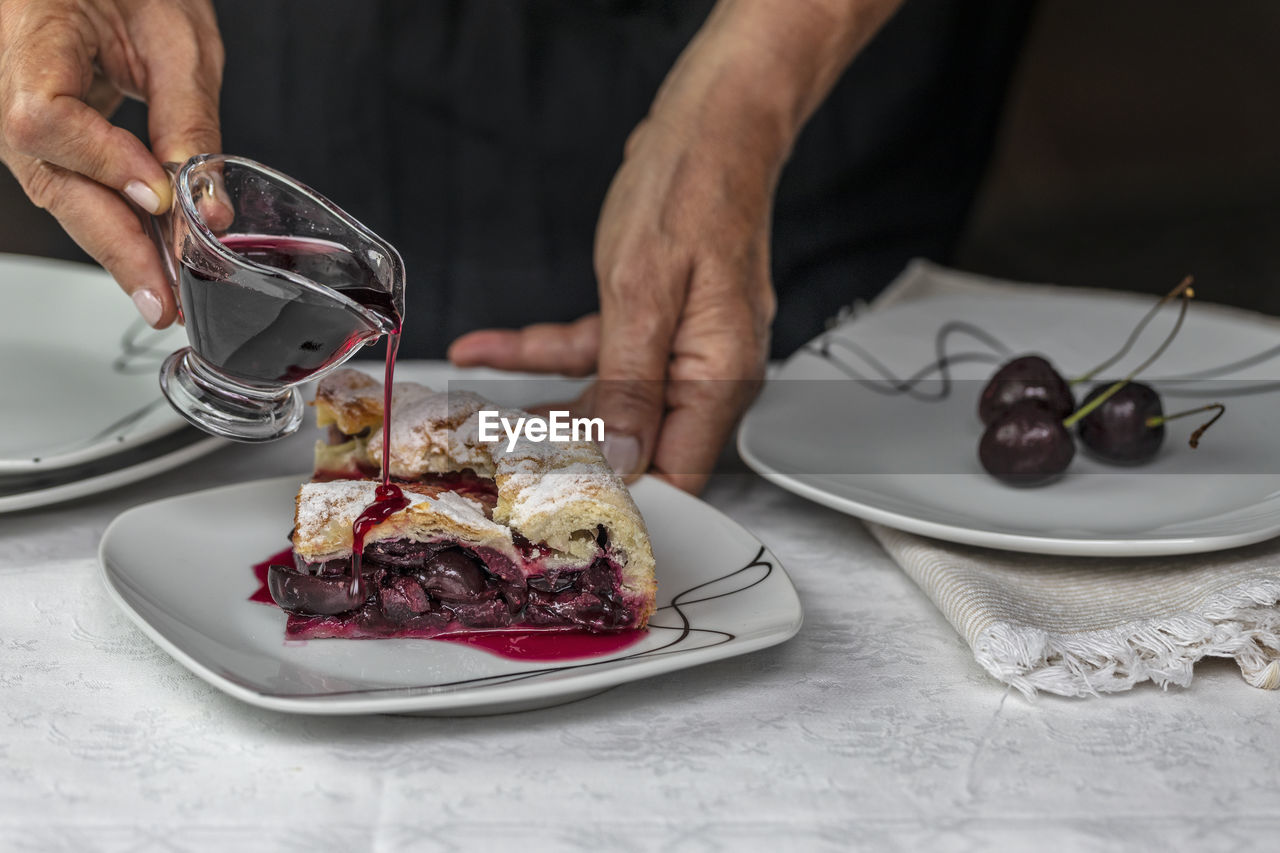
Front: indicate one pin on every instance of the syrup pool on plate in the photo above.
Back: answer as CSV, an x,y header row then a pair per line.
x,y
547,645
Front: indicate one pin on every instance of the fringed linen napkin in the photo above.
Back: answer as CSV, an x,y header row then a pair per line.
x,y
1087,625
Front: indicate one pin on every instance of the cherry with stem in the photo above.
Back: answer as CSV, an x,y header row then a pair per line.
x,y
1123,423
1187,295
1030,444
1128,429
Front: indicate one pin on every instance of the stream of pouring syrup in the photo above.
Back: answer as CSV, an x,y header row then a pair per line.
x,y
388,498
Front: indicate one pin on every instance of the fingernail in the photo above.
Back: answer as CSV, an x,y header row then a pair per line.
x,y
143,196
149,306
622,452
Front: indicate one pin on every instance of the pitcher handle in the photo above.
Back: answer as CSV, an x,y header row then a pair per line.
x,y
160,230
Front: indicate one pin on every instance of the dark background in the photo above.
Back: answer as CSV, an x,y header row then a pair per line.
x,y
1140,142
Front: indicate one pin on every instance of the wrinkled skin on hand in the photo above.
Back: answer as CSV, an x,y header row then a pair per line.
x,y
65,65
682,244
680,344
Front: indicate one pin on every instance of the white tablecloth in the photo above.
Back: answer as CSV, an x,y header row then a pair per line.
x,y
874,727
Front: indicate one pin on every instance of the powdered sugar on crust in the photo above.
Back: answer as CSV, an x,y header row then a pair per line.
x,y
467,450
321,504
350,399
536,490
326,512
539,477
348,385
421,424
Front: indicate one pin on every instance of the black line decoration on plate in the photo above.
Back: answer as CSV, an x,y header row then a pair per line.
x,y
116,428
941,364
683,630
39,481
123,423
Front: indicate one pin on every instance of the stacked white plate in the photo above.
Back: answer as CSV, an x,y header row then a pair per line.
x,y
80,403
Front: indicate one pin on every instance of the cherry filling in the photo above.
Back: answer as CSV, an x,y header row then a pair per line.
x,y
422,589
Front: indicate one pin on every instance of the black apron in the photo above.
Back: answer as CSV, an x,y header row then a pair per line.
x,y
480,136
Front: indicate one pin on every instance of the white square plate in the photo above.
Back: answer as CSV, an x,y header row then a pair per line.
x,y
181,569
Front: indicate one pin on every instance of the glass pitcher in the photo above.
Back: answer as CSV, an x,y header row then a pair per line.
x,y
276,285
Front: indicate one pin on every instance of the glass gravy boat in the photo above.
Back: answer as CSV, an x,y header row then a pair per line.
x,y
276,285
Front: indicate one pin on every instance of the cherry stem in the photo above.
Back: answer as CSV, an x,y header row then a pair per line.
x,y
1083,411
1194,441
1137,331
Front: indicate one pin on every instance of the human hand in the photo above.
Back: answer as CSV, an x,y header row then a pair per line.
x,y
682,263
65,65
682,245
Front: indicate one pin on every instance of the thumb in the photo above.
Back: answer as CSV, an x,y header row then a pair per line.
x,y
630,390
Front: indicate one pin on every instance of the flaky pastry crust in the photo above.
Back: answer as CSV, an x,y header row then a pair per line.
x,y
554,494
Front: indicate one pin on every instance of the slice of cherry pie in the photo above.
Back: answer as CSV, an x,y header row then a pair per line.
x,y
544,536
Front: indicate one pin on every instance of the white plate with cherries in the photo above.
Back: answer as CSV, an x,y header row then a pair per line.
x,y
1004,419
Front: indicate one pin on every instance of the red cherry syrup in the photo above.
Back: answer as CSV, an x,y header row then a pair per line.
x,y
388,499
270,333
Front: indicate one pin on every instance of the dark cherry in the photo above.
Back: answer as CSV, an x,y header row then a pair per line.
x,y
515,596
554,582
482,614
400,553
581,607
1027,445
1027,377
402,598
302,592
571,607
1117,430
451,575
